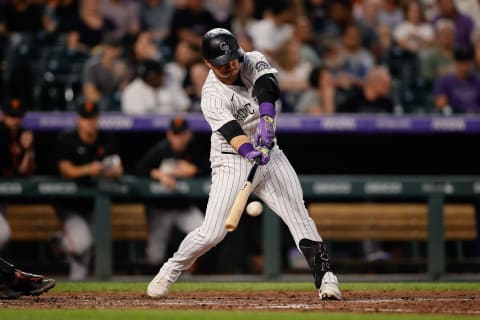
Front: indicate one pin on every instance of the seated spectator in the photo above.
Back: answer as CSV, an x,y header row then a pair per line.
x,y
320,97
60,14
90,24
242,18
430,9
439,59
385,41
83,154
272,32
125,15
459,91
415,34
372,97
185,56
316,12
356,61
156,17
21,15
220,10
464,25
292,75
190,23
197,76
175,157
470,8
303,32
142,48
17,155
149,93
340,15
105,75
369,12
390,14
381,17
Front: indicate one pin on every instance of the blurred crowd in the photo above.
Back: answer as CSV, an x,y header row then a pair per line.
x,y
332,56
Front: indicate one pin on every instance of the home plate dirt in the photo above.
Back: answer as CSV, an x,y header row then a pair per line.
x,y
438,302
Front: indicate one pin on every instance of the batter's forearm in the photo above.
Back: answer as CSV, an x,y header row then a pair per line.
x,y
238,141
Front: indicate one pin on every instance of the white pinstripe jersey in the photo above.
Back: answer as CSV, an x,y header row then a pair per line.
x,y
222,103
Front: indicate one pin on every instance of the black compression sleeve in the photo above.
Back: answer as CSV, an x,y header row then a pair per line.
x,y
230,130
266,88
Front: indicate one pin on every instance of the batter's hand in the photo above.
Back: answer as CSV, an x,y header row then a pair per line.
x,y
265,132
260,153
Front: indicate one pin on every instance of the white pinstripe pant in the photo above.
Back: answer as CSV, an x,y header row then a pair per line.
x,y
276,184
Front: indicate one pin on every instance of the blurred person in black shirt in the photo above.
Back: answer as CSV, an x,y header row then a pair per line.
x,y
372,97
17,156
60,14
177,156
190,23
83,154
90,24
22,15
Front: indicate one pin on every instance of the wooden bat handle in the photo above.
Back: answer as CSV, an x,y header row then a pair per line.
x,y
240,201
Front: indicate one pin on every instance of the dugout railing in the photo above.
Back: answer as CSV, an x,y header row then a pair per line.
x,y
433,191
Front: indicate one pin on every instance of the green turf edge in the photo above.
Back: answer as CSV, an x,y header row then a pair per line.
x,y
22,314
263,286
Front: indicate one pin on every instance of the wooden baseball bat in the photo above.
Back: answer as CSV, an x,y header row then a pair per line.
x,y
240,201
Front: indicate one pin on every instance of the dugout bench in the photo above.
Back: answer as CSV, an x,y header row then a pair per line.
x,y
432,192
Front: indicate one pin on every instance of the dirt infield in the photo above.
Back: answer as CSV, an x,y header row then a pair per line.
x,y
433,302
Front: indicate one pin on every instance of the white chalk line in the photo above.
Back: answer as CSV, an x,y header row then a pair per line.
x,y
410,299
317,306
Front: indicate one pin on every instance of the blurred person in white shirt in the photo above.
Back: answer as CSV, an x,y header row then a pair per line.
x,y
415,34
270,33
149,93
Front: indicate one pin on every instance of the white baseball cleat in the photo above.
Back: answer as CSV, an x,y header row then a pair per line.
x,y
329,289
158,287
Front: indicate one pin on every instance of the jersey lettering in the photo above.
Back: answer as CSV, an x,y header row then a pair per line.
x,y
244,111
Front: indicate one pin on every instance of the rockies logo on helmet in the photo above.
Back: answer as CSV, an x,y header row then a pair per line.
x,y
225,47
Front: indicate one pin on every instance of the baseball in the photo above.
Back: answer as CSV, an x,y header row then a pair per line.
x,y
254,208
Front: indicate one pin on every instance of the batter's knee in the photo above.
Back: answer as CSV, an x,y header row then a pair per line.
x,y
210,239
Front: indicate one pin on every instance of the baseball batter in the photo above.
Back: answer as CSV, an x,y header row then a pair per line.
x,y
238,102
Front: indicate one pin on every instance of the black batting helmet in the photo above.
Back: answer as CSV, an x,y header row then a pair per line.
x,y
220,46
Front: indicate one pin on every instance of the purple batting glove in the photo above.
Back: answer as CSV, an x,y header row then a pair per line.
x,y
260,154
265,132
264,155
